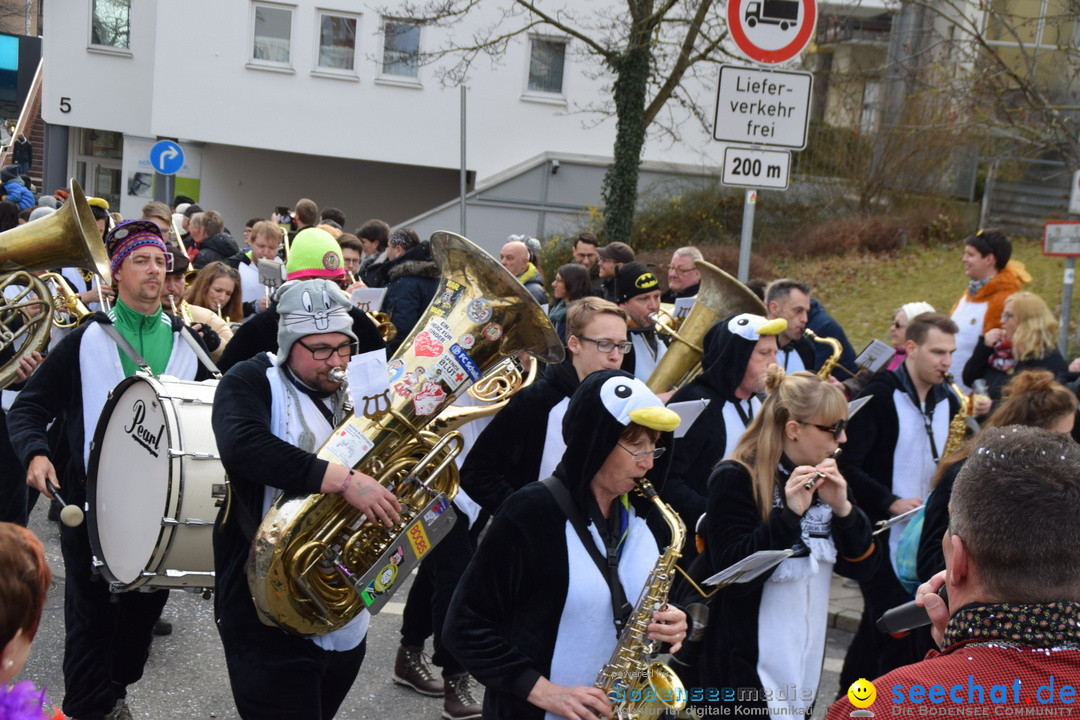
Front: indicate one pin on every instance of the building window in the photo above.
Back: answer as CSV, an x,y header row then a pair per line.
x,y
547,59
401,48
273,34
337,41
111,23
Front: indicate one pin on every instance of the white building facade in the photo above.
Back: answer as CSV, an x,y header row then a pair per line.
x,y
274,101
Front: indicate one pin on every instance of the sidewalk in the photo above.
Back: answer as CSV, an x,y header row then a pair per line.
x,y
845,605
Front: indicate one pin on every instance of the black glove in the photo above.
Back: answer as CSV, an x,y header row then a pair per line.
x,y
210,338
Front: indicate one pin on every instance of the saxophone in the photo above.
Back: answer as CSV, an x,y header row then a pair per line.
x,y
834,357
636,685
958,424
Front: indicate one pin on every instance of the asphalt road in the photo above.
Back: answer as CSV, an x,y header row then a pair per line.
x,y
186,679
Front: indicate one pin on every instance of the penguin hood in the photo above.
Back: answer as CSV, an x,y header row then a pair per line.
x,y
600,409
728,346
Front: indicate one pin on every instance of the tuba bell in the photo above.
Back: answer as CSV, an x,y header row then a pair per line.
x,y
68,237
316,561
719,296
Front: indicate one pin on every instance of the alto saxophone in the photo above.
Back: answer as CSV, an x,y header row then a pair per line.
x,y
958,424
637,685
834,355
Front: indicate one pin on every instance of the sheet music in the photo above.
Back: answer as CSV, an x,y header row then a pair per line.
x,y
688,412
875,356
682,307
749,567
368,299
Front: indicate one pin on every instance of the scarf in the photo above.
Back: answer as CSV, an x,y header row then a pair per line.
x,y
974,286
815,540
529,274
1049,625
1002,357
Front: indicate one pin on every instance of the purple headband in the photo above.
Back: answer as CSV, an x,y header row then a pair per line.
x,y
127,237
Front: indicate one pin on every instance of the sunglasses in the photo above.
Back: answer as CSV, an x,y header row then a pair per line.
x,y
835,430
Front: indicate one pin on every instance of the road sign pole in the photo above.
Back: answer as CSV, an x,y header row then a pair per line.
x,y
749,204
1066,305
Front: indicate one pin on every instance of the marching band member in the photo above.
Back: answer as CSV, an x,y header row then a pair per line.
x,y
769,633
263,244
533,616
214,331
107,636
314,254
271,414
217,288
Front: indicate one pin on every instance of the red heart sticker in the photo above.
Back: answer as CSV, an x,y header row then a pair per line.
x,y
427,346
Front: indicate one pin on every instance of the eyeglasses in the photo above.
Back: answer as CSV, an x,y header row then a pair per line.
x,y
1006,316
681,271
642,454
835,430
606,346
325,353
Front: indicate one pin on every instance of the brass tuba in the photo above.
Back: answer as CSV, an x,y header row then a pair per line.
x,y
719,296
317,561
68,237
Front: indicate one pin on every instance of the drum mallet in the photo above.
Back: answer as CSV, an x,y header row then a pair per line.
x,y
71,515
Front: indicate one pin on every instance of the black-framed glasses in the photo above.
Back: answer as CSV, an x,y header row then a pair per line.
x,y
606,346
640,455
325,353
835,430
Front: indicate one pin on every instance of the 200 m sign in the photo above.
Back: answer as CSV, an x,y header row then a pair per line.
x,y
756,168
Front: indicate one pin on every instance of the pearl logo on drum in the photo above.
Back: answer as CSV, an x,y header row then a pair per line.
x,y
140,433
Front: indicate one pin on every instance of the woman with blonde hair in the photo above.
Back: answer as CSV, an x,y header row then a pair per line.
x,y
780,490
1026,340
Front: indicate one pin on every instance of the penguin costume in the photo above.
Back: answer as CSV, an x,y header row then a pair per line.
x,y
533,603
727,345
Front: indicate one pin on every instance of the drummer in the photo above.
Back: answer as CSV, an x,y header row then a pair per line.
x,y
107,638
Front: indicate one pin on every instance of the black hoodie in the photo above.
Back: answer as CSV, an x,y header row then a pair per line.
x,y
505,616
694,455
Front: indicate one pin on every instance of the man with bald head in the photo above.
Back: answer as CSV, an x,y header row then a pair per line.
x,y
514,256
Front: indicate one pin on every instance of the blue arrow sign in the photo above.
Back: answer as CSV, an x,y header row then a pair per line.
x,y
167,157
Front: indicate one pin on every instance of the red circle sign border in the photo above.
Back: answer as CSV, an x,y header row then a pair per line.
x,y
796,46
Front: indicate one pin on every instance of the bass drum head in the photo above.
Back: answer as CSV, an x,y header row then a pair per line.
x,y
129,479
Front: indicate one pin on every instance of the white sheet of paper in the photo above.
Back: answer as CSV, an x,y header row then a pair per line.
x,y
749,567
682,307
368,299
271,273
688,411
875,356
368,379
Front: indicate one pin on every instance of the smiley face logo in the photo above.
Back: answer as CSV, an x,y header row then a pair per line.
x,y
862,693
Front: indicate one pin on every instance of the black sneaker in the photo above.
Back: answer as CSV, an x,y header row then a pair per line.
x,y
162,627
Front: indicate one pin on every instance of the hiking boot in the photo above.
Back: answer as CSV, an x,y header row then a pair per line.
x,y
459,703
411,669
120,711
162,627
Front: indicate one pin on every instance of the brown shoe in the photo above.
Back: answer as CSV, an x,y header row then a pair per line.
x,y
411,669
459,703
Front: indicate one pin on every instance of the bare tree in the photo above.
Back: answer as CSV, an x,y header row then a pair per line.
x,y
1007,69
644,51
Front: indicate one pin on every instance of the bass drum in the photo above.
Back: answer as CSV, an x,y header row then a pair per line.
x,y
154,485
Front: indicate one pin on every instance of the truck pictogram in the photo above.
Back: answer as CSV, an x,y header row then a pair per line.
x,y
784,13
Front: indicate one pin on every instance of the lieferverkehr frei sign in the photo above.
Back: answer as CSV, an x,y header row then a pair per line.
x,y
763,107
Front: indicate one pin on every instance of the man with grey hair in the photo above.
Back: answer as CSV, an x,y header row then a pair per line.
x,y
271,415
209,241
1008,630
683,277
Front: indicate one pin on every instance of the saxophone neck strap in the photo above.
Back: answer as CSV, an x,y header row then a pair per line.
x,y
609,566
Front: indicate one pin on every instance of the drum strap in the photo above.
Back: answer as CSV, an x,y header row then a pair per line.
x,y
126,347
209,364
